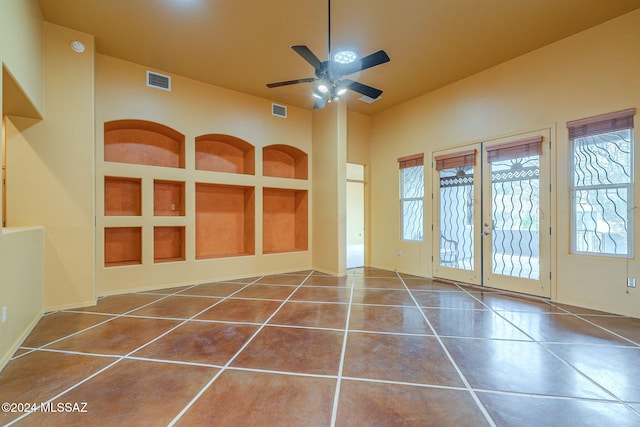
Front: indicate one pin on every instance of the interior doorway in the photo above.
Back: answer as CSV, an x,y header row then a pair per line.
x,y
355,215
492,214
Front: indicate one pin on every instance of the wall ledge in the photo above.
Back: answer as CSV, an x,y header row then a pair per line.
x,y
21,229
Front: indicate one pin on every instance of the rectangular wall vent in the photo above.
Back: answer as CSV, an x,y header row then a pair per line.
x,y
159,81
279,110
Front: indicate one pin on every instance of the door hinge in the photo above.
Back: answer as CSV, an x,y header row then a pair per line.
x,y
549,275
549,231
431,227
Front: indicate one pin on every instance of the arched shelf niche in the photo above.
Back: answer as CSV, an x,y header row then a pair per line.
x,y
143,142
284,161
224,153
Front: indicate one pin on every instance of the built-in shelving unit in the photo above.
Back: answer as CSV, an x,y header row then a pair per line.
x,y
198,200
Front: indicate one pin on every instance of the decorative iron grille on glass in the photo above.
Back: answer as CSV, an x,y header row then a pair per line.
x,y
515,207
456,172
412,196
602,184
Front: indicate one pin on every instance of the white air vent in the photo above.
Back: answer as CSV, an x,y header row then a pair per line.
x,y
159,81
279,110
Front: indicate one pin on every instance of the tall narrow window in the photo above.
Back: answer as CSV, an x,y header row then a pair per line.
x,y
602,184
412,196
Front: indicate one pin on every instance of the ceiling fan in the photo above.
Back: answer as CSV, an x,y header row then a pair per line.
x,y
329,74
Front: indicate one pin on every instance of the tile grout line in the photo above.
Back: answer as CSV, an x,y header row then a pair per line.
x,y
119,358
549,396
548,350
336,395
226,365
111,316
339,377
600,327
62,393
470,389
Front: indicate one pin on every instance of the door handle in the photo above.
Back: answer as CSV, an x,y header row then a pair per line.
x,y
486,233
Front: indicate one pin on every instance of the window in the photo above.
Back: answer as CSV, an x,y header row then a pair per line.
x,y
602,184
412,196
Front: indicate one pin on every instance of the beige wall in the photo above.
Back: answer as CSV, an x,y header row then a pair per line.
x,y
329,188
21,47
50,171
590,73
193,109
22,267
358,136
21,249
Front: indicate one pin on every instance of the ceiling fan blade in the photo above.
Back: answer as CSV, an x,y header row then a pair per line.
x,y
292,82
369,91
308,56
376,58
320,103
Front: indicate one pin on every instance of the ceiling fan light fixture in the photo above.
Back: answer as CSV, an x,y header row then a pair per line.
x,y
345,56
316,95
341,91
323,88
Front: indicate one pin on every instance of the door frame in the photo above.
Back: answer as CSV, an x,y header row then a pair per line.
x,y
474,276
358,178
548,185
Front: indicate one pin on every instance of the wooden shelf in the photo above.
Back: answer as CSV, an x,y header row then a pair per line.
x,y
168,198
224,153
168,244
284,161
143,143
122,196
122,246
285,220
225,220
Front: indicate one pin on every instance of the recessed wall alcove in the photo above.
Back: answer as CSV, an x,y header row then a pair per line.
x,y
122,196
224,153
168,244
144,143
122,246
284,161
225,220
168,198
285,220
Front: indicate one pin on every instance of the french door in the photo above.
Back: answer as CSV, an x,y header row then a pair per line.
x,y
491,204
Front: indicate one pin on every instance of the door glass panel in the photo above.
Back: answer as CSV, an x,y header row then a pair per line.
x,y
515,203
456,218
412,195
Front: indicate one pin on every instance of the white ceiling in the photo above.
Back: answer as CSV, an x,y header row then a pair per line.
x,y
244,44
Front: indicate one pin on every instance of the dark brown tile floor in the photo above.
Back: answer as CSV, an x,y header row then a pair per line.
x,y
306,349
